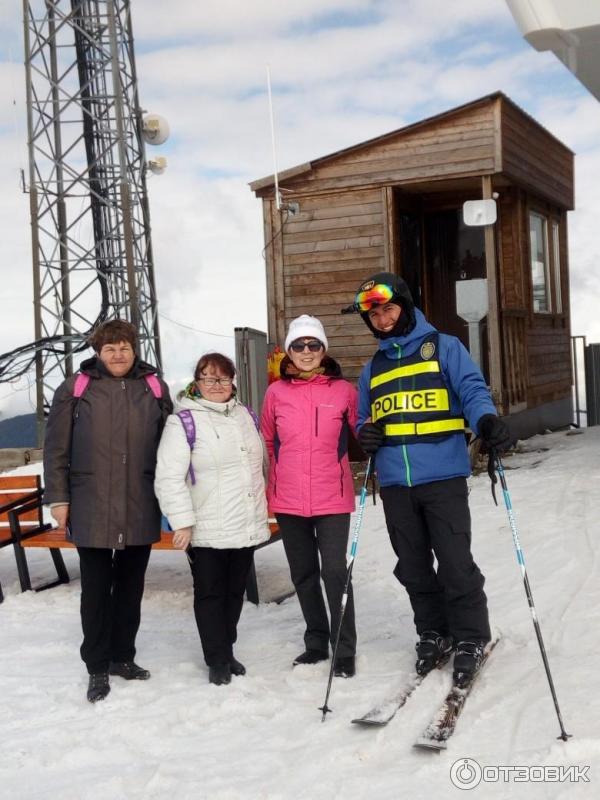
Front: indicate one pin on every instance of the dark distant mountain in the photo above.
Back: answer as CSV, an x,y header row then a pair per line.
x,y
18,431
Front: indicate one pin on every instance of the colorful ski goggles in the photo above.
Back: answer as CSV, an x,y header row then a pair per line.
x,y
376,295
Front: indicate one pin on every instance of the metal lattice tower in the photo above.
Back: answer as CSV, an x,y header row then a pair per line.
x,y
92,254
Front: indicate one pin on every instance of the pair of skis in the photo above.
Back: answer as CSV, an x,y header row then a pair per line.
x,y
444,721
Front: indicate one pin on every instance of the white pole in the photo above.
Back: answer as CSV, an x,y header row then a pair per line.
x,y
277,196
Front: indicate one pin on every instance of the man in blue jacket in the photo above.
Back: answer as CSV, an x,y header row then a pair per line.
x,y
414,396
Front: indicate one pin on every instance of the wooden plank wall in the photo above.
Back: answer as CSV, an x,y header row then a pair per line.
x,y
536,347
533,157
334,243
458,145
549,353
514,315
316,264
512,279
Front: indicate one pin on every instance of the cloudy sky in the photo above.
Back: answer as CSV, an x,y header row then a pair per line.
x,y
342,71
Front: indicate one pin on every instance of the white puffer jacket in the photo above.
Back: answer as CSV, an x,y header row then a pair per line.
x,y
226,506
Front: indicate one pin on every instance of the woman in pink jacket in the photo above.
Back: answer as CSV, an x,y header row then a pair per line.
x,y
306,420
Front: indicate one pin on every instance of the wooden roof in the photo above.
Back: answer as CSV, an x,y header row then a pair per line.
x,y
504,159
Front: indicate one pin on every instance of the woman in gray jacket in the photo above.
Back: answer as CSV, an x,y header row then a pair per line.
x,y
210,485
100,449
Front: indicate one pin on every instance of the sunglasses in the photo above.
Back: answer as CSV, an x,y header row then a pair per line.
x,y
375,296
299,347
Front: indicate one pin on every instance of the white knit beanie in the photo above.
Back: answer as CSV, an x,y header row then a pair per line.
x,y
305,327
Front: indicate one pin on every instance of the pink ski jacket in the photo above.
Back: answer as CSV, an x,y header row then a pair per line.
x,y
305,424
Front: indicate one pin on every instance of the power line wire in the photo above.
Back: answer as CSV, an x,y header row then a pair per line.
x,y
196,330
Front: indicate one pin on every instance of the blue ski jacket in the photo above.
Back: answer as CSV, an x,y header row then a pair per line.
x,y
423,462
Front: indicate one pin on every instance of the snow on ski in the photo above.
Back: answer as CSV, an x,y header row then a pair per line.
x,y
443,723
383,712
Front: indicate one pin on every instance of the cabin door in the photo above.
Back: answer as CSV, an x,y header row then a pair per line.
x,y
436,250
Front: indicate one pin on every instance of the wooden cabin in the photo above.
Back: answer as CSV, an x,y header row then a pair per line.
x,y
394,203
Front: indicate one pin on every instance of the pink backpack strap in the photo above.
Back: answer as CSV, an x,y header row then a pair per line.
x,y
82,381
154,385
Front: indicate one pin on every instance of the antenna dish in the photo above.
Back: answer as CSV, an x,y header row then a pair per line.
x,y
155,129
477,213
157,165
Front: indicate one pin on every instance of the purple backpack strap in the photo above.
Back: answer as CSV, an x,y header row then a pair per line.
x,y
82,381
255,419
189,426
154,385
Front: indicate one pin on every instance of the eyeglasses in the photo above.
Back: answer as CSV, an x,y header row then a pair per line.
x,y
213,381
376,295
299,347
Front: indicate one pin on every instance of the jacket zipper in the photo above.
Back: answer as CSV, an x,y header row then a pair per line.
x,y
317,421
121,538
404,450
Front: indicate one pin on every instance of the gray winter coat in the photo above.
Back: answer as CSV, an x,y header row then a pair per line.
x,y
100,456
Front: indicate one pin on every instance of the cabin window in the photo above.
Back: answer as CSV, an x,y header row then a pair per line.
x,y
540,263
556,266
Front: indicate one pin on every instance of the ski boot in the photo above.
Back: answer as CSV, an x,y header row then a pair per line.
x,y
467,661
433,649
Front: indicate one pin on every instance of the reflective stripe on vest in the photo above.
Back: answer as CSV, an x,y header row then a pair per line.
x,y
411,398
405,372
421,428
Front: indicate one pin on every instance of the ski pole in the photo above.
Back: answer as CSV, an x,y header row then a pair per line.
x,y
353,548
521,559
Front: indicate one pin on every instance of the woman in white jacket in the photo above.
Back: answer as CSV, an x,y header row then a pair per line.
x,y
210,486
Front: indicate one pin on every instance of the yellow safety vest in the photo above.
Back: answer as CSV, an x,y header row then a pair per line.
x,y
411,398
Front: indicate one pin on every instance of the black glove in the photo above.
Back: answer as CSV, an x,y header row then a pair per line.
x,y
370,437
494,433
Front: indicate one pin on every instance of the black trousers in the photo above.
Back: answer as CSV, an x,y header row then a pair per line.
x,y
304,539
112,585
219,583
434,519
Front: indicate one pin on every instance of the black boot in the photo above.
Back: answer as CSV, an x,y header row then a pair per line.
x,y
311,657
345,667
98,687
432,649
128,670
219,674
467,661
237,668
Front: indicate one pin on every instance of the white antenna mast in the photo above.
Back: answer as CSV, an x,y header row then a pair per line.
x,y
277,194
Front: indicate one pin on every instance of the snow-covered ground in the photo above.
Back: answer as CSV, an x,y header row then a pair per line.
x,y
178,737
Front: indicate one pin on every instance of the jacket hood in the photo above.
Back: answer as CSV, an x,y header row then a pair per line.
x,y
408,343
95,368
331,366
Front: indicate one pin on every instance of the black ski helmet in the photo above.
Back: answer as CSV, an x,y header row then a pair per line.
x,y
401,297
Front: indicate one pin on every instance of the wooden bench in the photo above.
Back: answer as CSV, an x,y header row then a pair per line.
x,y
55,538
21,519
26,529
